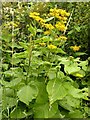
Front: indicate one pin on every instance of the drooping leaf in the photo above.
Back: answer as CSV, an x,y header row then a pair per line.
x,y
45,110
80,53
42,96
70,103
49,19
59,50
76,114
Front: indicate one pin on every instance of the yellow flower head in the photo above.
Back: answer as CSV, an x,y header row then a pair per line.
x,y
52,46
75,48
62,38
60,26
63,12
67,14
47,32
49,26
59,13
42,44
36,17
79,75
64,18
34,14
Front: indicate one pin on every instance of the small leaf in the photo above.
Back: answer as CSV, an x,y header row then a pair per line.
x,y
70,32
52,74
80,53
49,19
59,50
27,93
77,28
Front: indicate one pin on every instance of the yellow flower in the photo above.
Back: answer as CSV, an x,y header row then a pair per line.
x,y
63,12
42,44
34,14
79,75
59,13
12,24
52,46
75,48
49,26
62,38
36,17
64,18
60,26
67,14
47,32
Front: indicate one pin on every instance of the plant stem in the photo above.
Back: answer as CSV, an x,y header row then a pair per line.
x,y
68,21
30,55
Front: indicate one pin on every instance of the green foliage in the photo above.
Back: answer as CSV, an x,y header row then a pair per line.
x,y
39,79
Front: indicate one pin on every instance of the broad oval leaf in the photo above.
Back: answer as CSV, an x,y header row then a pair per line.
x,y
56,90
27,93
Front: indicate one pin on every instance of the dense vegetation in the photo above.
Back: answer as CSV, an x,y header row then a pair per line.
x,y
44,61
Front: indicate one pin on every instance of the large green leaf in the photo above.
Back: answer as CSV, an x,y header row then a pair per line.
x,y
76,114
45,110
69,103
72,68
27,93
75,92
56,90
12,83
42,96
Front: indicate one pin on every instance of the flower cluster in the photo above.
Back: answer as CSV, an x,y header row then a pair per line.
x,y
60,26
49,26
36,17
59,13
75,48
